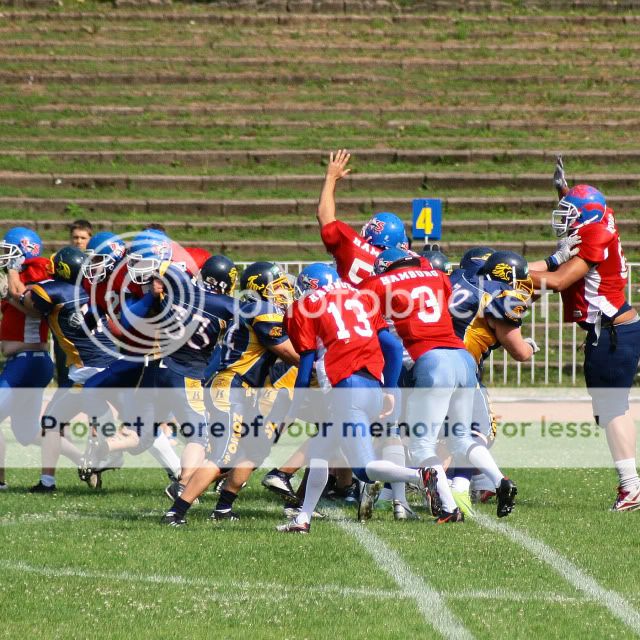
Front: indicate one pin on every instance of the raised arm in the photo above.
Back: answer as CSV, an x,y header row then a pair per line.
x,y
336,170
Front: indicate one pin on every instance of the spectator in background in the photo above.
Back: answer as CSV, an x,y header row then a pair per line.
x,y
80,233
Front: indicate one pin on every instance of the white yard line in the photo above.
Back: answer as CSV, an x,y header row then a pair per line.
x,y
430,602
226,585
617,605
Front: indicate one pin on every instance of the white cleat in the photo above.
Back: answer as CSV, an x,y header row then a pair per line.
x,y
402,511
627,500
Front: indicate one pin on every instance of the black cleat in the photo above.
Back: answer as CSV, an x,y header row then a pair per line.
x,y
40,488
505,496
223,514
446,518
430,486
89,463
174,490
172,519
280,484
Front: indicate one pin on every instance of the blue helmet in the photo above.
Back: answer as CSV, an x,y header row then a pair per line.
x,y
385,230
104,251
19,242
148,250
475,258
314,276
582,205
394,259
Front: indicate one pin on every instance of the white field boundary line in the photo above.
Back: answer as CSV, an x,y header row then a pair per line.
x,y
431,603
246,585
582,581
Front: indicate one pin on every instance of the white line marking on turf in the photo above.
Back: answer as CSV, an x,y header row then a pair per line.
x,y
430,602
267,587
575,576
125,576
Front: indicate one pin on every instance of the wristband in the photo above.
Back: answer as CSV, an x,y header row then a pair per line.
x,y
551,263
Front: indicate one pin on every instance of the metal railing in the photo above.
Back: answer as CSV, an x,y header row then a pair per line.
x,y
558,362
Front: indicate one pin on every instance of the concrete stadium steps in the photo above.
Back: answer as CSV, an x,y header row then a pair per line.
x,y
392,181
292,157
292,207
333,12
475,228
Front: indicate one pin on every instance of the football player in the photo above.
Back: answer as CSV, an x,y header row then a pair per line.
x,y
437,259
63,303
354,254
24,337
592,284
360,353
251,345
487,306
470,263
444,373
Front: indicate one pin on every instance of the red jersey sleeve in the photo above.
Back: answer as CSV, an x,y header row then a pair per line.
x,y
333,233
300,329
595,240
35,270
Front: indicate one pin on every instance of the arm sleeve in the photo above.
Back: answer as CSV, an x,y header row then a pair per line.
x,y
392,351
138,309
595,240
41,300
269,329
303,379
331,236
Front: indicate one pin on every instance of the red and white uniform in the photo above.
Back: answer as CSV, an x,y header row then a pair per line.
x,y
354,256
106,294
416,300
343,321
602,290
15,325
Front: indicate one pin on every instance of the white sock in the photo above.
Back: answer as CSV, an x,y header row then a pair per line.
x,y
627,473
166,455
480,482
47,481
316,482
480,458
460,485
444,490
386,471
395,453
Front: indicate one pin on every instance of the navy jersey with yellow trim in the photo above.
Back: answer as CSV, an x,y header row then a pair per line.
x,y
245,352
64,305
203,314
472,301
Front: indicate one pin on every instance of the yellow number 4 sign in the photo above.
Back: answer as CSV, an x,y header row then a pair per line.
x,y
425,220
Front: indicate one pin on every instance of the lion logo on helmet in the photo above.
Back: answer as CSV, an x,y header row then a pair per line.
x,y
63,270
502,271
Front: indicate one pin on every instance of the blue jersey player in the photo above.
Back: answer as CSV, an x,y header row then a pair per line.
x,y
489,299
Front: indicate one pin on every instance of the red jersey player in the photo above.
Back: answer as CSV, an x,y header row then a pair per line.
x,y
360,353
24,338
415,298
592,284
354,254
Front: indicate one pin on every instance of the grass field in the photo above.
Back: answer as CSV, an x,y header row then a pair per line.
x,y
76,565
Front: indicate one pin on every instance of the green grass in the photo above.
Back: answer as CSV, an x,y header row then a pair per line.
x,y
77,564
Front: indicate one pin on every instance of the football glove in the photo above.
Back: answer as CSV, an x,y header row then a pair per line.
x,y
4,285
532,343
566,249
16,263
559,181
